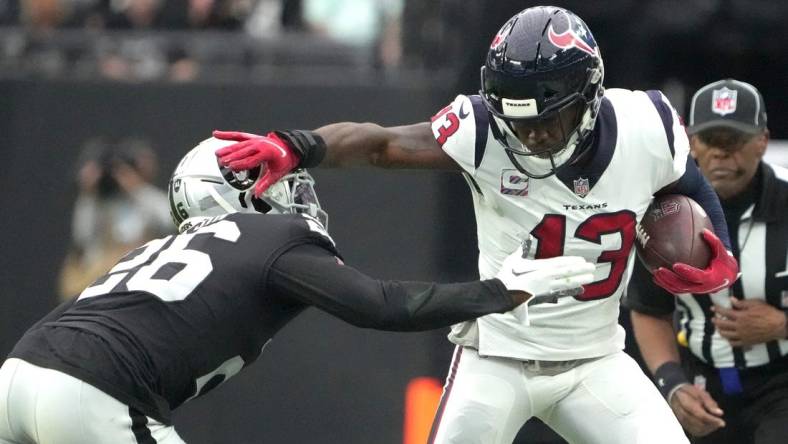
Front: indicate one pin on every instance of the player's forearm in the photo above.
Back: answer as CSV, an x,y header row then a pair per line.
x,y
384,305
415,306
409,146
405,306
311,275
350,143
656,339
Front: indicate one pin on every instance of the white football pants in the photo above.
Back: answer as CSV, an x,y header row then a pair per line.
x,y
608,400
44,406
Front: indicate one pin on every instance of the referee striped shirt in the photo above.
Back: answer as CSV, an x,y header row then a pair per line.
x,y
759,234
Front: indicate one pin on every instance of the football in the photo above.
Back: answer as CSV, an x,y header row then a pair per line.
x,y
670,232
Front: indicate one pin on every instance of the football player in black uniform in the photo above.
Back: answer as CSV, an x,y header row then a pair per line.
x,y
179,315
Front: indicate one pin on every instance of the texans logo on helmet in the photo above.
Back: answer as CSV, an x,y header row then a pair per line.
x,y
501,36
569,39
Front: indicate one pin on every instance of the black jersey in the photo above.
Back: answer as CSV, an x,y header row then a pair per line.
x,y
179,315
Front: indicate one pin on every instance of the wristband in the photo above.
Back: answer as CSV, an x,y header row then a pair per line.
x,y
308,145
669,376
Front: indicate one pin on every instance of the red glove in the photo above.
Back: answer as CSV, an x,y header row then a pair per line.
x,y
252,150
721,273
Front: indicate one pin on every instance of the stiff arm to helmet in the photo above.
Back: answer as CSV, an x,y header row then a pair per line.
x,y
200,188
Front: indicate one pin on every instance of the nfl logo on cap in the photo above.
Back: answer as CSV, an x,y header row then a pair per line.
x,y
723,101
730,104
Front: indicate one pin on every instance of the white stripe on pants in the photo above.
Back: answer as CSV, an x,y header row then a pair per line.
x,y
45,406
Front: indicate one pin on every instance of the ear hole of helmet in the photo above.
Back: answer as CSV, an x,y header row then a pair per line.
x,y
260,205
242,180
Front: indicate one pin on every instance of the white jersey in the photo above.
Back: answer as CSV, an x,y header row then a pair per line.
x,y
589,209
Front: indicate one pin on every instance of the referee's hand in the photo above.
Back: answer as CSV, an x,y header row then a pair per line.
x,y
749,322
695,409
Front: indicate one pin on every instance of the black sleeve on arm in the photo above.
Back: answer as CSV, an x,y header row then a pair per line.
x,y
693,185
644,296
312,275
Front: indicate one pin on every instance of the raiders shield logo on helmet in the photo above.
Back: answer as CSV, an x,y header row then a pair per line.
x,y
242,180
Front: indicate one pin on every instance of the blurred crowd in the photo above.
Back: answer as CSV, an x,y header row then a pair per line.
x,y
645,43
125,14
117,209
138,40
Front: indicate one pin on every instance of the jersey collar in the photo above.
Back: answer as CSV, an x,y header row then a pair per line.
x,y
592,162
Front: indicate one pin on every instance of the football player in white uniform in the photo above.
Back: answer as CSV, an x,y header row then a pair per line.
x,y
557,162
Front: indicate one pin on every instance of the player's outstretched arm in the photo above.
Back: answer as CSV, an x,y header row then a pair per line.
x,y
410,146
312,275
335,145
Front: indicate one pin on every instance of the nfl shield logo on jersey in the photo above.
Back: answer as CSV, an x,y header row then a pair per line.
x,y
582,187
723,101
514,183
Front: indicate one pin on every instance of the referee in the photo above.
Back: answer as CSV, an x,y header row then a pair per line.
x,y
732,386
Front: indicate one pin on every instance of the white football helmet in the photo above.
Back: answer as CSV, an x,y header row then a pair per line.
x,y
199,187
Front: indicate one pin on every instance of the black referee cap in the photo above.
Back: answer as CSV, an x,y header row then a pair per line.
x,y
727,103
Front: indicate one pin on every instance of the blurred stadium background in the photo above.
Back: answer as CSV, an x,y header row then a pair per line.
x,y
169,72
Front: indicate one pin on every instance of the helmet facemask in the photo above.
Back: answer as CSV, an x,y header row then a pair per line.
x,y
295,194
200,188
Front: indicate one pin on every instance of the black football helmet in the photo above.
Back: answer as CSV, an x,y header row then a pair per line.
x,y
543,73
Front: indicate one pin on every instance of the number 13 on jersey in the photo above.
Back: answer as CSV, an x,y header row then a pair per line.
x,y
551,234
